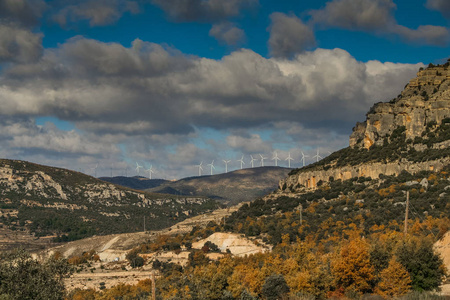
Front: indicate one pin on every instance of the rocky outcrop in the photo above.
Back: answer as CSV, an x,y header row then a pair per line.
x,y
418,111
425,100
309,179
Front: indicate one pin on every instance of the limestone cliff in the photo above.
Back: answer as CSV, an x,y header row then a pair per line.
x,y
409,133
425,99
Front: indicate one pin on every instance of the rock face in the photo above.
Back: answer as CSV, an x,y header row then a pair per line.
x,y
309,179
425,99
413,127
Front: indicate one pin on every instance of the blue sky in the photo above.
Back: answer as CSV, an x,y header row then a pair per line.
x,y
171,83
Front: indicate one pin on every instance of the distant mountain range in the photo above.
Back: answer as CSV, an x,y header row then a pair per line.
x,y
232,187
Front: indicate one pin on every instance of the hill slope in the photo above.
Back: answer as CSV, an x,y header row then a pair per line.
x,y
234,187
51,201
136,182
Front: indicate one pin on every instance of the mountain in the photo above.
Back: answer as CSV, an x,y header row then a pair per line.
x,y
232,187
70,205
410,132
136,182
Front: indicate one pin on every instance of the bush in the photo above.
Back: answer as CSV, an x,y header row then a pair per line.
x,y
22,277
134,259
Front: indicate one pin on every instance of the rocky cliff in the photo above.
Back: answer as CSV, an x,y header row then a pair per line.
x,y
409,133
425,100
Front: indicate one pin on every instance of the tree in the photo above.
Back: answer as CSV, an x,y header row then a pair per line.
x,y
197,258
275,287
394,280
424,266
352,269
22,277
134,259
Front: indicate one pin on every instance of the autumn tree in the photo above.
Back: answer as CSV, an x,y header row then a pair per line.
x,y
394,280
352,269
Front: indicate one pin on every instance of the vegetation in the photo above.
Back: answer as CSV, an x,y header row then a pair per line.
x,y
22,277
87,211
394,148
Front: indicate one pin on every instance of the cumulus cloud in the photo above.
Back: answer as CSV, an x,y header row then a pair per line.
x,y
249,143
156,101
227,33
443,6
289,35
369,15
24,13
104,86
203,10
23,133
377,16
97,12
18,42
19,45
427,34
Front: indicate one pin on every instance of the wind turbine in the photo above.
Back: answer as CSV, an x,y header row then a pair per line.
x,y
138,167
95,170
276,158
200,169
317,156
289,158
150,171
252,160
262,160
241,161
303,158
226,165
212,166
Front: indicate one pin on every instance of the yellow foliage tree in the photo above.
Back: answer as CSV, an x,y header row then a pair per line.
x,y
352,269
394,280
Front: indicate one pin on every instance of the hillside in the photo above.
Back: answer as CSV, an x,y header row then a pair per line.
x,y
232,187
47,201
136,182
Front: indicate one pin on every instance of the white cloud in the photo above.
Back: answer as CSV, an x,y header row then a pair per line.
x,y
203,10
227,33
289,35
152,104
97,12
443,6
377,16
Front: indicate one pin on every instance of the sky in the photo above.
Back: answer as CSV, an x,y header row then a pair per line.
x,y
99,85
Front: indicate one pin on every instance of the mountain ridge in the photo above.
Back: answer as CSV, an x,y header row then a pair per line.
x,y
70,205
232,187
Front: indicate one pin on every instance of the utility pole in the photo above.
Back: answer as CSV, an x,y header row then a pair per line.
x,y
301,216
153,285
406,213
